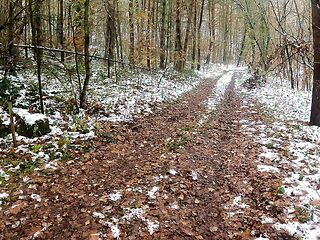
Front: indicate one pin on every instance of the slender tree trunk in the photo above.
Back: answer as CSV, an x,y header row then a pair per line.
x,y
212,29
186,39
225,32
162,35
73,37
148,35
10,58
178,44
119,34
242,47
169,35
199,35
26,38
83,97
131,26
194,37
155,29
50,23
35,20
12,127
315,108
60,28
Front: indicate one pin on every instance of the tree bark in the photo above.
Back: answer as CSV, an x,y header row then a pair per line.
x,y
186,39
131,26
315,107
148,35
212,29
60,28
194,37
178,44
162,35
199,35
35,20
83,97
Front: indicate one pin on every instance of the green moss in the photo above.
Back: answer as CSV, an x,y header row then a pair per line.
x,y
174,144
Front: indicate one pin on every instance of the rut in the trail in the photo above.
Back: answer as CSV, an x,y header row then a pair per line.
x,y
234,197
183,191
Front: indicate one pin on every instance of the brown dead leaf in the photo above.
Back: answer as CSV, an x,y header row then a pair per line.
x,y
187,230
213,229
104,199
246,234
315,203
94,236
17,207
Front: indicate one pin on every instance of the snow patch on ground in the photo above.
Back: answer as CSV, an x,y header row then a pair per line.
x,y
173,172
215,70
194,175
3,175
266,168
292,148
217,95
3,196
117,195
114,230
219,91
284,102
130,214
29,118
225,74
152,226
303,230
152,192
35,197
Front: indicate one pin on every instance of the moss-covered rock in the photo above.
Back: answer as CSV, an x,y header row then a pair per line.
x,y
32,125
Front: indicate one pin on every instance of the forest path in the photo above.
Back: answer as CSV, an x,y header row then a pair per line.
x,y
182,173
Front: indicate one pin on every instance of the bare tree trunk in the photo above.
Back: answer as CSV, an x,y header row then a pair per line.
x,y
119,35
212,29
162,36
242,47
194,37
10,58
12,127
110,33
148,35
35,20
225,32
83,97
50,23
199,35
186,39
315,108
60,28
131,26
169,35
178,44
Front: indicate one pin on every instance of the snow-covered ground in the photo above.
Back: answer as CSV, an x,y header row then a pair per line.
x,y
284,102
110,100
137,95
225,74
291,147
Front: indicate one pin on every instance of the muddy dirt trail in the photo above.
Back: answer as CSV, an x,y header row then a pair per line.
x,y
182,173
